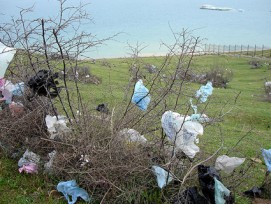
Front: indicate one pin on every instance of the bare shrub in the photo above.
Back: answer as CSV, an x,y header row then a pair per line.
x,y
219,76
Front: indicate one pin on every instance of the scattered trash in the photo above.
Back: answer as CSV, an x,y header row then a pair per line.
x,y
255,192
267,158
132,135
204,92
85,159
182,131
30,168
70,188
6,55
141,96
16,109
257,160
191,196
102,108
206,176
44,84
220,192
56,126
194,107
163,177
48,167
228,164
29,157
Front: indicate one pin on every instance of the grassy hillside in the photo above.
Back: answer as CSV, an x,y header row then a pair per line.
x,y
246,125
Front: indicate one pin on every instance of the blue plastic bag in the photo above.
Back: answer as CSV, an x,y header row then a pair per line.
x,y
220,192
204,92
141,96
70,188
267,158
163,177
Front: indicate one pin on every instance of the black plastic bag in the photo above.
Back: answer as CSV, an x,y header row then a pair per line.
x,y
190,196
206,179
44,84
255,192
102,108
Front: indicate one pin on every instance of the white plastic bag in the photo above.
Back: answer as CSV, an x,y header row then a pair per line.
x,y
228,164
6,55
182,131
55,126
132,135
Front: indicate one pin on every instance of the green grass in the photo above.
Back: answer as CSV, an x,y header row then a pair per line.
x,y
249,117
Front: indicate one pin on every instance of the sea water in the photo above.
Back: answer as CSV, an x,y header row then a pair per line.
x,y
150,23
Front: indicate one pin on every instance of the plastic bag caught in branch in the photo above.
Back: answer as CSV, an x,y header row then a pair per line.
x,y
228,164
56,126
220,192
6,55
267,158
182,131
70,188
204,92
163,177
141,97
132,135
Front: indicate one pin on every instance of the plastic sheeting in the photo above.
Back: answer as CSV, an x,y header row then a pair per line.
x,y
163,177
182,131
228,164
30,168
132,135
255,192
267,158
70,188
29,157
220,192
56,126
6,55
141,97
204,92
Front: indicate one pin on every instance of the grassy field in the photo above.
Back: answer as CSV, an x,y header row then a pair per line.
x,y
246,126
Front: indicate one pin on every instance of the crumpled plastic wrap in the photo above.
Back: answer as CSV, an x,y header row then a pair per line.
x,y
182,131
163,177
70,188
48,166
56,126
267,158
220,192
228,164
141,97
204,92
29,157
6,55
132,135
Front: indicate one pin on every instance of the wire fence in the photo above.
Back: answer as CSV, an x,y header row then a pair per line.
x,y
249,50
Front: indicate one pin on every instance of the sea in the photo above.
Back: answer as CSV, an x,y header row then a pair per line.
x,y
149,24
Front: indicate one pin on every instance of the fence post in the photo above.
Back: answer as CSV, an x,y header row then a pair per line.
x,y
229,48
241,49
235,48
247,49
218,49
255,51
205,49
223,49
262,50
209,49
